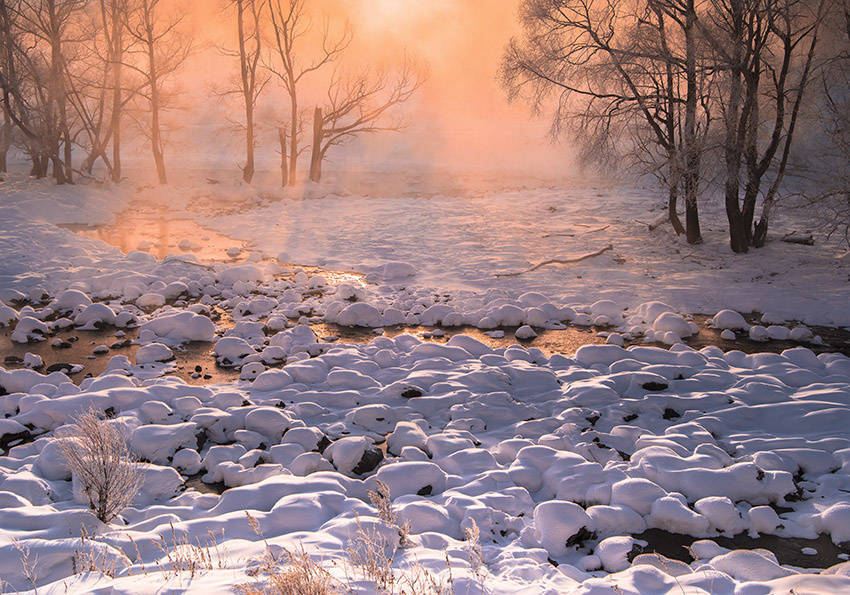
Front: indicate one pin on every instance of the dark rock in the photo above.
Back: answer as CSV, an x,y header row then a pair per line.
x,y
370,460
636,551
426,491
66,368
671,414
580,537
654,386
7,439
411,393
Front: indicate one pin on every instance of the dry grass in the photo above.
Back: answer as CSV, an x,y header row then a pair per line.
x,y
381,499
296,574
373,558
29,564
474,553
87,559
102,462
186,556
421,581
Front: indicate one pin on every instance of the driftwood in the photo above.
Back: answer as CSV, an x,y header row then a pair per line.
x,y
572,235
558,261
805,240
658,222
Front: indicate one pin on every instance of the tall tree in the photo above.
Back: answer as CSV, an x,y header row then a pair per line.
x,y
616,71
290,25
50,27
251,83
765,50
114,15
162,50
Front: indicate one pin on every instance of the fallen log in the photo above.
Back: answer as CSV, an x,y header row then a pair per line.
x,y
805,240
558,261
572,235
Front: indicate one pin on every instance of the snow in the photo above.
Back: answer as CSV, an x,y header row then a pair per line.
x,y
729,319
558,459
556,522
525,332
792,282
179,327
153,352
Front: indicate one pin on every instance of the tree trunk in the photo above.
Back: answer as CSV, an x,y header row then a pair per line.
x,y
293,139
247,94
692,154
734,141
58,168
316,153
40,165
248,171
69,170
5,140
117,53
156,134
672,199
284,165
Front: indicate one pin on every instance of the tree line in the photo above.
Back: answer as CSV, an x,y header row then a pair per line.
x,y
74,73
698,93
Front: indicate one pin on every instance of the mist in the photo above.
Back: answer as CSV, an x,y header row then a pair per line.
x,y
459,121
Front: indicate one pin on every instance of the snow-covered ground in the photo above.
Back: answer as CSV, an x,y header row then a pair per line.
x,y
560,464
461,244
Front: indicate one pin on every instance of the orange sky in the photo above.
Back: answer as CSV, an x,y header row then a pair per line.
x,y
460,112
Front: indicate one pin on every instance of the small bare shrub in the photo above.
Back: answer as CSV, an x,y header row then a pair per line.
x,y
101,460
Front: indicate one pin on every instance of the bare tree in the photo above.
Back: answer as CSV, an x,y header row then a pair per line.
x,y
46,33
290,25
359,105
114,13
765,50
829,202
102,463
249,23
9,82
163,49
20,96
616,70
